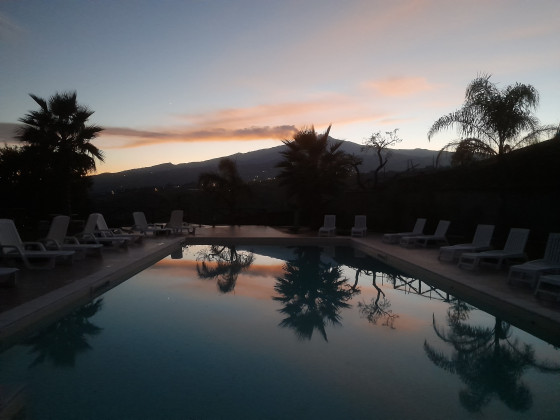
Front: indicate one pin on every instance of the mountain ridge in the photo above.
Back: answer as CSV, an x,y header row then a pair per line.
x,y
255,165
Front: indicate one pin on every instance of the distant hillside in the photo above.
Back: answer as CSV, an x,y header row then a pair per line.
x,y
260,164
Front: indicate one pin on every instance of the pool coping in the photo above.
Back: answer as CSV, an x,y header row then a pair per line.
x,y
481,288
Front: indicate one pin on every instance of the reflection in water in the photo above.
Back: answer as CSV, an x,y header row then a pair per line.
x,y
378,309
223,263
312,293
62,341
487,360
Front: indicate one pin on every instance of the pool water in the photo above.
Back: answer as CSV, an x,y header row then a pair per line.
x,y
281,333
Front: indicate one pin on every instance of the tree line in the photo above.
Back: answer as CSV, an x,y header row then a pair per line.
x,y
48,172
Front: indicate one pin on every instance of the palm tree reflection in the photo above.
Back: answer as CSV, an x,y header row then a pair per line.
x,y
65,339
223,263
487,360
378,309
312,293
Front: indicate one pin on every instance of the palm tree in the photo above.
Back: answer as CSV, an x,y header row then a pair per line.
x,y
487,360
58,139
493,121
224,264
312,293
226,184
313,170
62,341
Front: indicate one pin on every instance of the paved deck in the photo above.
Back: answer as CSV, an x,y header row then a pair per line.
x,y
43,295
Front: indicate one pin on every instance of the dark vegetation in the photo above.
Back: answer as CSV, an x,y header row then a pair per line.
x,y
492,179
521,189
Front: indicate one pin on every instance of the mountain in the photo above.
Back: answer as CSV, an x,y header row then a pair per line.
x,y
260,164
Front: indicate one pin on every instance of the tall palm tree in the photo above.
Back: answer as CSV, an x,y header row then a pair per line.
x,y
313,170
58,138
488,361
62,341
226,184
493,121
312,293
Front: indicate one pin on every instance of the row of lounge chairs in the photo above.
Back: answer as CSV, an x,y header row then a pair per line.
x,y
57,245
543,275
329,226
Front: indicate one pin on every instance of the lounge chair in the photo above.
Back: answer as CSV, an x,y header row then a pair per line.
x,y
142,225
530,271
548,284
329,226
175,221
394,238
360,227
116,232
13,247
514,249
424,240
481,242
91,235
58,240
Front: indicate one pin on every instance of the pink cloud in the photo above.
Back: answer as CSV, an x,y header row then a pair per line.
x,y
401,86
138,138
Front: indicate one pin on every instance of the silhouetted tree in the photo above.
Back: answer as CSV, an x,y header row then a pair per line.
x,y
226,184
224,264
65,339
487,361
312,293
377,309
494,121
313,170
57,139
380,143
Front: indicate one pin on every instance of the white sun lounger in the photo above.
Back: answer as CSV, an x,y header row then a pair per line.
x,y
14,248
530,271
481,242
548,285
514,249
58,240
141,225
360,227
116,232
329,226
394,238
175,221
91,235
439,237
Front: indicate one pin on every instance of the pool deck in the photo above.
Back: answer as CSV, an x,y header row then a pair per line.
x,y
41,296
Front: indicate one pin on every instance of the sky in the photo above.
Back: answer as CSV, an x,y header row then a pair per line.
x,y
191,80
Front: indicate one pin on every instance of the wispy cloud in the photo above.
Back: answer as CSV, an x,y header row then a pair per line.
x,y
139,138
263,122
8,29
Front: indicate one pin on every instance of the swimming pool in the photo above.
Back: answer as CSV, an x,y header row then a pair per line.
x,y
281,333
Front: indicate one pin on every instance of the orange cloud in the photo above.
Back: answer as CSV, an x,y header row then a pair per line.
x,y
138,138
263,122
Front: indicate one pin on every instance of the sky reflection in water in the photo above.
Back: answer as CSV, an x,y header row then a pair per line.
x,y
269,332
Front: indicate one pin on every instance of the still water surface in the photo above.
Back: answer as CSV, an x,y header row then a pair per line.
x,y
281,333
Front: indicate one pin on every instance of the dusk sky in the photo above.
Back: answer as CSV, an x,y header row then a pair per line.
x,y
186,81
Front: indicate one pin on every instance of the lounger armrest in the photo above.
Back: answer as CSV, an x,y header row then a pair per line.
x,y
86,236
71,240
9,248
48,242
34,245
